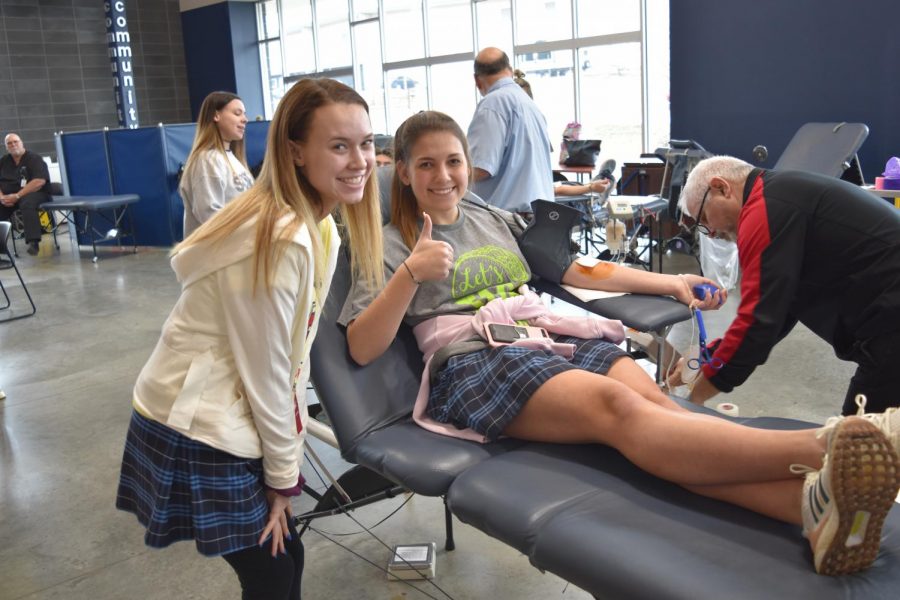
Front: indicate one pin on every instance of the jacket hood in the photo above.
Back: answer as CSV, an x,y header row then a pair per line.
x,y
199,260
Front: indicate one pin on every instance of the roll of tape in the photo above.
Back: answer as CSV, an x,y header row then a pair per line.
x,y
727,408
688,374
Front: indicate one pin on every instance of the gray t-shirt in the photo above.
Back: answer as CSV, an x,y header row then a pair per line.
x,y
487,264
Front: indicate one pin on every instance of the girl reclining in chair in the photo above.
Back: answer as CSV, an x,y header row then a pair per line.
x,y
450,258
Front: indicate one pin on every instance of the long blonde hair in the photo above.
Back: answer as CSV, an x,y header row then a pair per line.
x,y
404,206
282,189
208,137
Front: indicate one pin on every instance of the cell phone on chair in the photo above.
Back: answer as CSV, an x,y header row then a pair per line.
x,y
499,333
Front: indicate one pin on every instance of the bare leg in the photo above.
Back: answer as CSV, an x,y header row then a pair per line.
x,y
682,447
628,372
776,499
744,466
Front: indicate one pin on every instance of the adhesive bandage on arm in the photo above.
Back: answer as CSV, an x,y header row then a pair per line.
x,y
597,270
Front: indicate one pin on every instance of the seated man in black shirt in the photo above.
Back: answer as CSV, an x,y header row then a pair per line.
x,y
24,186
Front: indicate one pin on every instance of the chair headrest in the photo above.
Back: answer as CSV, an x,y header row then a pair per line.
x,y
385,176
359,399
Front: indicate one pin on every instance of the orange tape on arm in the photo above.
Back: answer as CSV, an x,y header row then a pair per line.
x,y
601,270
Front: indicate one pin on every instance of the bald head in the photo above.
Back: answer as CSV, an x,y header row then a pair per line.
x,y
491,64
492,61
14,144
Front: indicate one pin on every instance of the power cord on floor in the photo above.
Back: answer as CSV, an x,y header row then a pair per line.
x,y
368,530
380,568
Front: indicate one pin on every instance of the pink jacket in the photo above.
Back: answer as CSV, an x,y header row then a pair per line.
x,y
438,332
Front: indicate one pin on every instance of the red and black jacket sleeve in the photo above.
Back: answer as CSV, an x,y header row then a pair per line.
x,y
771,238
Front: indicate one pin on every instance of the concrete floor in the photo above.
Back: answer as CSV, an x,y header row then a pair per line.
x,y
68,372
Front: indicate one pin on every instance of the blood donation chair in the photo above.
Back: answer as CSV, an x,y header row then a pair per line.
x,y
826,148
582,512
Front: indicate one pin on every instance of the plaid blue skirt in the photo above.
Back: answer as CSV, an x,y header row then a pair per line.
x,y
486,390
181,489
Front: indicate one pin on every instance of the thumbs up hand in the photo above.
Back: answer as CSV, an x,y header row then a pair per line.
x,y
431,260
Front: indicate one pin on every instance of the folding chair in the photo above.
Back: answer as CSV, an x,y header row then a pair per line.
x,y
48,221
7,262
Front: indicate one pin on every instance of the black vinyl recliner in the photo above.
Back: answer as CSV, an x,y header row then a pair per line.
x,y
582,512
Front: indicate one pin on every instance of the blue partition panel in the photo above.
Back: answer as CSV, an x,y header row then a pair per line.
x,y
178,140
85,162
143,161
87,170
138,167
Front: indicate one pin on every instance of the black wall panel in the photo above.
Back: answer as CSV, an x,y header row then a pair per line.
x,y
747,73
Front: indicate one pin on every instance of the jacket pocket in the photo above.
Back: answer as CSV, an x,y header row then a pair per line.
x,y
185,406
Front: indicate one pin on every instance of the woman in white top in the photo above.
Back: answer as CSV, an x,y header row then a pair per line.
x,y
216,169
215,444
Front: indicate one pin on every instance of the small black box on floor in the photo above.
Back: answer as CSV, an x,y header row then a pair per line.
x,y
412,561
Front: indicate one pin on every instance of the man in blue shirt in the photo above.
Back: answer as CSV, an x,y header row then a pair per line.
x,y
508,139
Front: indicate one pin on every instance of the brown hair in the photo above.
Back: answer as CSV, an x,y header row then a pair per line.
x,y
519,77
207,136
404,207
282,188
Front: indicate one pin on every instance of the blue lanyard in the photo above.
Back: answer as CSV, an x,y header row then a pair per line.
x,y
705,357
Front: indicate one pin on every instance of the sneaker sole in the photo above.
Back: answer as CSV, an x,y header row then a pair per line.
x,y
864,480
891,429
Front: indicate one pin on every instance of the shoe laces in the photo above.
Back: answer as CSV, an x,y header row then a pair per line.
x,y
798,469
826,429
829,425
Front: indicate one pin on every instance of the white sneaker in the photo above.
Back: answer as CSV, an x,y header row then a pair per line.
x,y
845,503
888,422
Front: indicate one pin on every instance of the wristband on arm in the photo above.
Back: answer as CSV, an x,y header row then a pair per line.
x,y
411,276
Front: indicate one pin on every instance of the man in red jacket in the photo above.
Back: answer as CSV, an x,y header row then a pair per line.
x,y
812,249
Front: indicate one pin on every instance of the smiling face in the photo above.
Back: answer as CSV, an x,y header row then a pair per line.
x,y
438,174
231,120
338,154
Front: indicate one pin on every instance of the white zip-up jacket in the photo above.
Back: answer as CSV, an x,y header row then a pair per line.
x,y
230,367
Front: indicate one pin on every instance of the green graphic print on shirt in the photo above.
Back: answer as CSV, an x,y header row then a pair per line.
x,y
486,273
